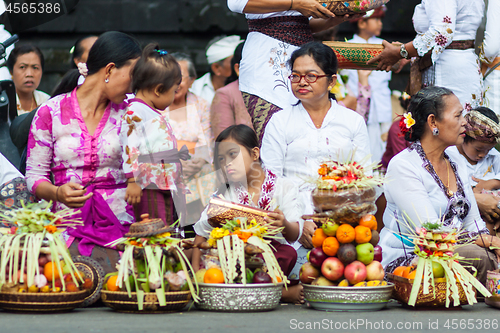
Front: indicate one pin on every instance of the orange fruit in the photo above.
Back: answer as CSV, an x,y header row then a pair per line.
x,y
406,271
331,246
345,234
50,271
363,234
213,275
411,275
111,284
318,237
369,221
399,270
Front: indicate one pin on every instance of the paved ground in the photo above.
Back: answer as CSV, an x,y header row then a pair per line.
x,y
286,318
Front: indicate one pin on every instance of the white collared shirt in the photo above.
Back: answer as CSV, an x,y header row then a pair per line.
x,y
40,98
204,88
486,169
293,147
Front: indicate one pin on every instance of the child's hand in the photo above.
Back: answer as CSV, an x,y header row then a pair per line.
x,y
133,194
277,218
485,184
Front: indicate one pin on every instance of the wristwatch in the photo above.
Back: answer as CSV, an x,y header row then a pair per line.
x,y
403,51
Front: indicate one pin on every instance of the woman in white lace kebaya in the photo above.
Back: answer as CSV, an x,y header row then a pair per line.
x,y
446,29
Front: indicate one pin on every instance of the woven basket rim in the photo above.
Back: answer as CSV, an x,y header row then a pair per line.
x,y
50,294
181,292
410,281
353,45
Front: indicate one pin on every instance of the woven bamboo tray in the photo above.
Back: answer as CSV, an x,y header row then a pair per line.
x,y
343,7
221,210
402,290
355,55
119,301
42,302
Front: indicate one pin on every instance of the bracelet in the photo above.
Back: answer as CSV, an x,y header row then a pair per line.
x,y
131,180
291,5
57,191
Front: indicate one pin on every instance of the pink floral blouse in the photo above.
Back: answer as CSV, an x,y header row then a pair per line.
x,y
61,150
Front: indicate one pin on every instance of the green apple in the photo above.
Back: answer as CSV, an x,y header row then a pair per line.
x,y
365,253
437,270
200,275
330,228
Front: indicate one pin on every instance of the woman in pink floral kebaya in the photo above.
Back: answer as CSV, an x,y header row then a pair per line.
x,y
74,152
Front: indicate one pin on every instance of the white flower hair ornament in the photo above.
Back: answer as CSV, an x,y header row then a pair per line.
x,y
82,69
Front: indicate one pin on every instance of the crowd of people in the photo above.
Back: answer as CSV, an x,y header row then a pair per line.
x,y
132,131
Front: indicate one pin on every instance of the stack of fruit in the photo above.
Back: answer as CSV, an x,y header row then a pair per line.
x,y
34,255
345,255
48,278
152,261
435,276
232,254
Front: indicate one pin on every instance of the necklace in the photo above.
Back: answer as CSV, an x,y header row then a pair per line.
x,y
448,191
317,126
32,100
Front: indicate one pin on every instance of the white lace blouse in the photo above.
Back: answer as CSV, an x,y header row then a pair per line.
x,y
439,22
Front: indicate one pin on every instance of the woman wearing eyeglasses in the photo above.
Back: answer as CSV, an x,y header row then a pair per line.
x,y
298,138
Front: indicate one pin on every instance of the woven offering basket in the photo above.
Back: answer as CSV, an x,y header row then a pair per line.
x,y
119,301
345,206
403,286
354,55
493,286
221,210
343,7
42,302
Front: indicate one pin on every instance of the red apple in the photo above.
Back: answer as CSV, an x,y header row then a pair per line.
x,y
377,253
317,257
355,272
375,271
308,273
332,268
262,277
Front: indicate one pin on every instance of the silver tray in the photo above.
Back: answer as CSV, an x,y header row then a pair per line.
x,y
239,298
347,298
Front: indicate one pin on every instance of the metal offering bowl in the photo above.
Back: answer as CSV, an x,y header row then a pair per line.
x,y
238,297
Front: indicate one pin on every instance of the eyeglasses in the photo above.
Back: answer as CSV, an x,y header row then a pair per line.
x,y
309,77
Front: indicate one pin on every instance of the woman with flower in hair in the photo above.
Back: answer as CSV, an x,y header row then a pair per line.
x,y
74,151
444,49
482,160
425,184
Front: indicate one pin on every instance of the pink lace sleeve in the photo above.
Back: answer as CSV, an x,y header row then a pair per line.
x,y
363,101
40,149
442,16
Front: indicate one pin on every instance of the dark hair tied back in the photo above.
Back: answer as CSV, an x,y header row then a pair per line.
x,y
111,47
156,67
323,55
428,101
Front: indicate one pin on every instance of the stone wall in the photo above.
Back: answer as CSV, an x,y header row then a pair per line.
x,y
177,25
